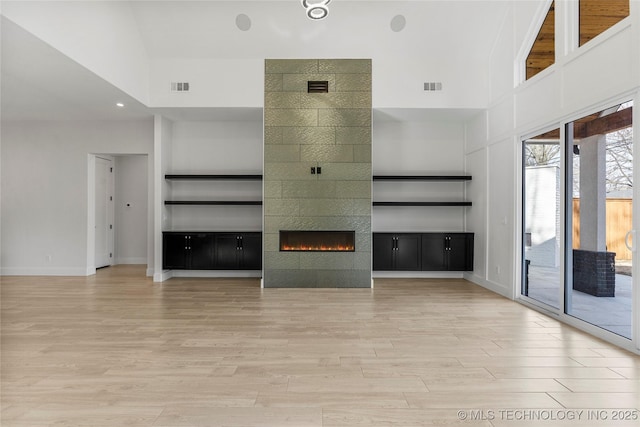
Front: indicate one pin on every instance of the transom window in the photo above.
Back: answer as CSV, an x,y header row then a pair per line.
x,y
596,16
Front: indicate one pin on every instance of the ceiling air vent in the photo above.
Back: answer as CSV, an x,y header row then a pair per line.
x,y
179,87
432,86
316,86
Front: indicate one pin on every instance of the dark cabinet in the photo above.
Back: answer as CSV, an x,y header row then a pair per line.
x,y
175,248
238,251
251,251
460,252
396,251
423,251
433,250
190,251
447,252
212,251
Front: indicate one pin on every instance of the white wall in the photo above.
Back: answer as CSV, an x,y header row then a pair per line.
x,y
216,147
582,81
212,82
162,130
102,36
397,83
418,148
131,209
45,194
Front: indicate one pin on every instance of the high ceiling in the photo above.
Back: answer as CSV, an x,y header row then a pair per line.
x,y
192,29
38,82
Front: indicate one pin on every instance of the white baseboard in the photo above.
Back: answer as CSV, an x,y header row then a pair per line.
x,y
417,275
162,276
492,286
46,271
217,273
131,260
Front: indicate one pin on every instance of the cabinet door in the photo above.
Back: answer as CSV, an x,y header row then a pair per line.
x,y
201,257
383,251
226,249
460,252
174,251
251,248
433,252
407,255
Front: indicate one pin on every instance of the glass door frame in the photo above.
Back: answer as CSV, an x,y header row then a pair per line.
x,y
557,311
566,211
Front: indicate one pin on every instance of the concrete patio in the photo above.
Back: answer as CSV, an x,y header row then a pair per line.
x,y
610,313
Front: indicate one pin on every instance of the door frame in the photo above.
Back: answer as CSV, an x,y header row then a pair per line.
x,y
632,344
91,211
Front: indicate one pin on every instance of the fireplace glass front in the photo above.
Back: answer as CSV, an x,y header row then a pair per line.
x,y
317,241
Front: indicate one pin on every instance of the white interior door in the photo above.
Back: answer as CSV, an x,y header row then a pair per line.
x,y
104,212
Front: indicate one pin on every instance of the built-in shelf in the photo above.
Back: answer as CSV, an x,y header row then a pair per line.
x,y
441,178
434,203
421,177
214,177
204,177
214,202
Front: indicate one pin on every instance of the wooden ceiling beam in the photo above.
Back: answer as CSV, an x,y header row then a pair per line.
x,y
603,125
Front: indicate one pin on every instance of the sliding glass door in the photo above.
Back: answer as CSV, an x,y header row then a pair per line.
x,y
542,201
582,222
599,219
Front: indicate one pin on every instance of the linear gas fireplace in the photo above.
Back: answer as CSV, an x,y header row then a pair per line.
x,y
317,241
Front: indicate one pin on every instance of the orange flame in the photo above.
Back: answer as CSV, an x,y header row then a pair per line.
x,y
321,248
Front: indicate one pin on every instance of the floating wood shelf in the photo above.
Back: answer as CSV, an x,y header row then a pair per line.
x,y
421,177
214,202
421,203
203,177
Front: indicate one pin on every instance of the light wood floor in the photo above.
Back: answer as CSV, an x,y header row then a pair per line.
x,y
116,349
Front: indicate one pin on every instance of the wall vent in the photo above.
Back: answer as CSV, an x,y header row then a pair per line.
x,y
315,86
432,86
179,87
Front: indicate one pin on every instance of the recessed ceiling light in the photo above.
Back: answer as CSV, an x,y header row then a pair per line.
x,y
120,104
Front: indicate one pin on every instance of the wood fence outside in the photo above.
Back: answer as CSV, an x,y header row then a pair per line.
x,y
619,212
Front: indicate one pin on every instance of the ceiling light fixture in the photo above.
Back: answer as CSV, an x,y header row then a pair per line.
x,y
316,10
120,104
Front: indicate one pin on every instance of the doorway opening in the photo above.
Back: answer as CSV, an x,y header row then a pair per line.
x,y
117,211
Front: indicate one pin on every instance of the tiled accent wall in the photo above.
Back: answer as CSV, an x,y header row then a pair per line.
x,y
304,130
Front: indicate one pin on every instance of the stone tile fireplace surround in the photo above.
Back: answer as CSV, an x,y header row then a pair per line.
x,y
317,169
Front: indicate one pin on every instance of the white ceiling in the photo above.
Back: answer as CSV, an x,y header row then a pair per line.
x,y
280,29
40,83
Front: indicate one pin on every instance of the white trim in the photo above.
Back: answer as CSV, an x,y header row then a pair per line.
x,y
131,260
520,68
91,212
635,221
559,314
213,274
46,271
569,22
489,285
603,37
417,275
162,276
